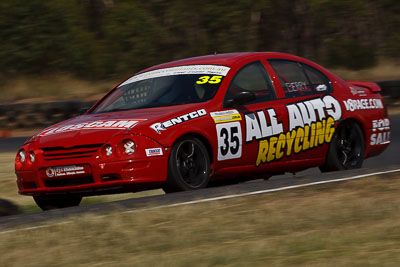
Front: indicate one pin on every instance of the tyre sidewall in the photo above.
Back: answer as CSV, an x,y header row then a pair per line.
x,y
332,161
175,181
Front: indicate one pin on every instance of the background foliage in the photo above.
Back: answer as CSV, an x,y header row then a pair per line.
x,y
100,38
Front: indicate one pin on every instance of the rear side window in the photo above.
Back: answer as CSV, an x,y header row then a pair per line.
x,y
318,81
298,79
252,77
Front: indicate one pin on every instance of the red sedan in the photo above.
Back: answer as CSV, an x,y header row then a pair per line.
x,y
182,124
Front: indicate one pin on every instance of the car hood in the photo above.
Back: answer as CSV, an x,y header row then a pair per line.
x,y
99,128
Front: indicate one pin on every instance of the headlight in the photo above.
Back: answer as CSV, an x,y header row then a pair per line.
x,y
109,150
32,156
129,147
22,156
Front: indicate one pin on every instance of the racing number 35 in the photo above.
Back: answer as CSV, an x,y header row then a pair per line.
x,y
207,79
229,140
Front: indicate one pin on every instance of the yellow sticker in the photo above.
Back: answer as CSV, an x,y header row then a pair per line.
x,y
227,118
208,79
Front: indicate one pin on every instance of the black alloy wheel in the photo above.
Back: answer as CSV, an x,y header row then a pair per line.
x,y
346,150
188,166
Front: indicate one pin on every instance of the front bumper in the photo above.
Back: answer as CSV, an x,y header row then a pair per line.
x,y
89,171
124,176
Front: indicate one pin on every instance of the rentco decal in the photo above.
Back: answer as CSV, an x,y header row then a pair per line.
x,y
381,133
64,171
150,152
310,124
371,103
93,125
162,126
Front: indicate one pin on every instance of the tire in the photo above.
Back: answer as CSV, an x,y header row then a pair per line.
x,y
188,166
49,203
346,150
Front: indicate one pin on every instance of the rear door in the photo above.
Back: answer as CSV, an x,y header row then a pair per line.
x,y
311,110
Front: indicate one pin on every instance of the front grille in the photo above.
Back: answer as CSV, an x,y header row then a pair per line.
x,y
59,152
69,182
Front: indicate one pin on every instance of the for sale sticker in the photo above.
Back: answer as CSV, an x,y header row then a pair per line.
x,y
64,171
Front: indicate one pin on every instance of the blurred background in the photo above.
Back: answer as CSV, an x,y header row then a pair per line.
x,y
73,50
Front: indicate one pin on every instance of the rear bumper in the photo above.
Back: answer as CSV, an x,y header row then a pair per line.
x,y
99,177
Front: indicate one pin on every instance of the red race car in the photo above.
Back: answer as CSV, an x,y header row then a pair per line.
x,y
182,124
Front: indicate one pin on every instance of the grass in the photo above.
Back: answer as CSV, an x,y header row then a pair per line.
x,y
355,223
51,88
384,70
9,190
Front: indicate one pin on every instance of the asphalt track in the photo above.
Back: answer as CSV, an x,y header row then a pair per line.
x,y
388,162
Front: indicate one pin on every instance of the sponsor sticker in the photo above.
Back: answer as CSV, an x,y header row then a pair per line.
x,y
150,152
226,116
64,171
93,125
310,123
180,70
162,126
321,88
365,103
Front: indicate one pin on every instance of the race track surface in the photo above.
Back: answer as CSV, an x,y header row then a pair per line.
x,y
389,160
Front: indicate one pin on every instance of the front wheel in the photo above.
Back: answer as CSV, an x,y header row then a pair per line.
x,y
346,150
188,166
57,202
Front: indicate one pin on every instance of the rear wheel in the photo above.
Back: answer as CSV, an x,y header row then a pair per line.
x,y
346,150
188,166
57,202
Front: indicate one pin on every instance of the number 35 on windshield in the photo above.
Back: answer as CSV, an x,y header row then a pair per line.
x,y
208,79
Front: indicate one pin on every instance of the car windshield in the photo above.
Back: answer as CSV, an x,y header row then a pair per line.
x,y
165,87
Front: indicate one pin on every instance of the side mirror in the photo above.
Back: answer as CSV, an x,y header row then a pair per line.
x,y
83,110
240,99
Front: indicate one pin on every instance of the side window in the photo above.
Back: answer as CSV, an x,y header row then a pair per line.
x,y
252,77
318,81
299,79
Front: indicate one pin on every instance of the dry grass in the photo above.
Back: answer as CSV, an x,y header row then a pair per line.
x,y
349,224
385,70
9,190
51,88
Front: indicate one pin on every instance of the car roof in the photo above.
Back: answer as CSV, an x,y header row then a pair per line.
x,y
220,59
